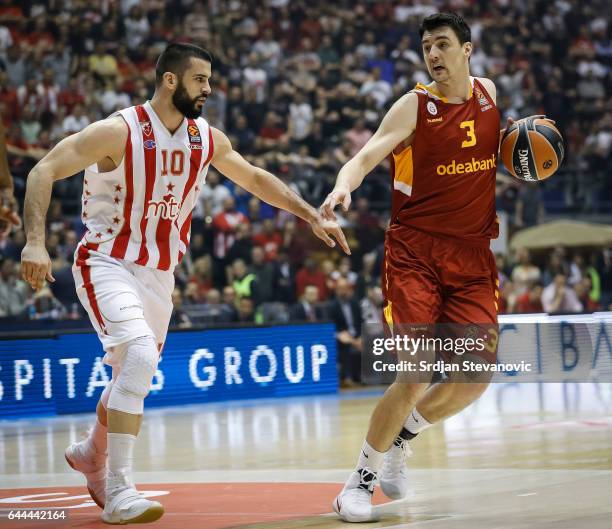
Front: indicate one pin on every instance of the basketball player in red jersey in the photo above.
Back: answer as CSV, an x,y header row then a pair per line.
x,y
443,139
144,167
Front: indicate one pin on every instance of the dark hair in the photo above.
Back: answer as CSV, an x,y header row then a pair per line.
x,y
451,20
175,59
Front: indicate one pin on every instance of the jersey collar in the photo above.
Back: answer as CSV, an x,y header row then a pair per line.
x,y
432,92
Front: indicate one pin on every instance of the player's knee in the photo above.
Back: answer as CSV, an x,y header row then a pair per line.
x,y
103,402
469,391
408,391
134,381
106,393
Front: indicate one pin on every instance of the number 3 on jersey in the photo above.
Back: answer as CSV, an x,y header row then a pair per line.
x,y
471,141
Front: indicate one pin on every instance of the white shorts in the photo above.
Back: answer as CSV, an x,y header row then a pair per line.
x,y
124,300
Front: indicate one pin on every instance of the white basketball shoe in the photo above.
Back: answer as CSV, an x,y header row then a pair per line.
x,y
354,503
394,474
125,505
93,466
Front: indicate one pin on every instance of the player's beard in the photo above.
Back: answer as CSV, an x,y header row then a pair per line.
x,y
185,104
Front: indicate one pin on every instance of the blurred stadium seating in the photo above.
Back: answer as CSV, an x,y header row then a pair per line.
x,y
299,87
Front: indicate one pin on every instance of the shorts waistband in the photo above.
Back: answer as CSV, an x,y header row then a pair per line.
x,y
469,241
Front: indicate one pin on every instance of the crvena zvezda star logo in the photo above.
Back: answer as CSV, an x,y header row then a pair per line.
x,y
146,127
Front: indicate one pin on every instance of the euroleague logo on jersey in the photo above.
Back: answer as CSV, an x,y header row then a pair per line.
x,y
194,134
195,140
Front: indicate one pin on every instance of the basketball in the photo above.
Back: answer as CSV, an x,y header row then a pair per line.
x,y
532,149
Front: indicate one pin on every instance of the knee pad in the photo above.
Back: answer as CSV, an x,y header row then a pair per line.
x,y
134,381
106,393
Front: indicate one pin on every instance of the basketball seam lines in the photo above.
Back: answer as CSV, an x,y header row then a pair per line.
x,y
531,150
547,141
516,138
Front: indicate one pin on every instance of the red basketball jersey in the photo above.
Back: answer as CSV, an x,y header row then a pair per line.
x,y
444,183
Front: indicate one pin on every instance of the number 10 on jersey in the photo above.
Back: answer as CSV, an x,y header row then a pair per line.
x,y
177,160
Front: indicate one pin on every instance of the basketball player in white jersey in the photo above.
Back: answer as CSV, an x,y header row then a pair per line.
x,y
144,167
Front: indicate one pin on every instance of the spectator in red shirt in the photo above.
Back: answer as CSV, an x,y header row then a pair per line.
x,y
39,35
271,128
224,225
311,275
70,96
310,26
294,243
31,94
202,275
49,91
271,134
10,13
146,66
126,69
530,302
269,239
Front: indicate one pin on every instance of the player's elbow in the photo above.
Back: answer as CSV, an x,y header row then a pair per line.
x,y
43,171
363,162
37,173
257,176
254,180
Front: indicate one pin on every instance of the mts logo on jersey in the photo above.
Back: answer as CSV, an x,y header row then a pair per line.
x,y
167,209
468,167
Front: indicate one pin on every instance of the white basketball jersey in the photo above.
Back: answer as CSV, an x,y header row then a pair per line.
x,y
141,211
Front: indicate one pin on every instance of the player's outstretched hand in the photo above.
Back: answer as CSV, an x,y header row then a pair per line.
x,y
510,121
323,228
36,266
339,195
8,212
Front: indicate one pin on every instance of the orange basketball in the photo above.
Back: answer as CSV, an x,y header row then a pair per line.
x,y
532,148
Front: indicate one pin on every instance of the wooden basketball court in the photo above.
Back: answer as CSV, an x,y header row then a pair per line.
x,y
523,456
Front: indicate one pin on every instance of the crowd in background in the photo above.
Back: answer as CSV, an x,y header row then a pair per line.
x,y
299,87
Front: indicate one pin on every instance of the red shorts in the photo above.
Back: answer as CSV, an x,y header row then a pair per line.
x,y
429,280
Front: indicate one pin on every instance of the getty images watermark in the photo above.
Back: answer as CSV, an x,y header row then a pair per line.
x,y
416,347
525,351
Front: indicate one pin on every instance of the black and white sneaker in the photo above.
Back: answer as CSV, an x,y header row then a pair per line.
x,y
354,503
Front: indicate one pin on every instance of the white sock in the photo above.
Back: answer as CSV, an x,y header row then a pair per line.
x,y
416,423
97,440
369,458
120,457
